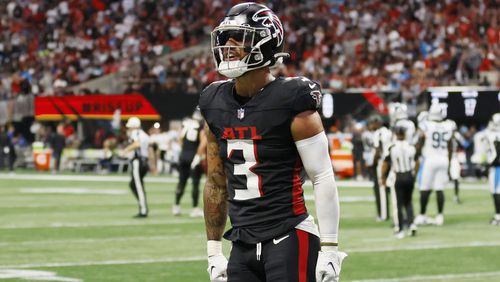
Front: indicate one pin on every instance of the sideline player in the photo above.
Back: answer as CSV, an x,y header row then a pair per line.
x,y
137,151
435,146
263,133
494,165
193,140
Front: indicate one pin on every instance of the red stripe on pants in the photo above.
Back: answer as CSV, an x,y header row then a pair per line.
x,y
303,238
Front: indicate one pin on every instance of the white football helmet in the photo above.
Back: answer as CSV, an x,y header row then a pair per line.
x,y
494,123
397,111
435,113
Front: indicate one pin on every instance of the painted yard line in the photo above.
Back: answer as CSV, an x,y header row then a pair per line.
x,y
200,258
107,262
433,277
92,178
72,190
98,240
425,247
125,224
165,179
117,224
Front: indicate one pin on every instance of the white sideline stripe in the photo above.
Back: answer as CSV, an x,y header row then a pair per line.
x,y
166,179
200,258
77,225
106,262
96,178
97,240
75,190
432,277
429,246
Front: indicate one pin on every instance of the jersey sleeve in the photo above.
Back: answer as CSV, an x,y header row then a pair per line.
x,y
308,96
208,94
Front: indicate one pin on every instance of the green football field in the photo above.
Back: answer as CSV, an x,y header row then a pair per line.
x,y
80,228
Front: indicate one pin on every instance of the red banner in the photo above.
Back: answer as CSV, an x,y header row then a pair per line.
x,y
93,107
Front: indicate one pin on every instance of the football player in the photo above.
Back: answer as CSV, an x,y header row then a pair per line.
x,y
494,164
263,134
435,146
381,140
399,118
193,141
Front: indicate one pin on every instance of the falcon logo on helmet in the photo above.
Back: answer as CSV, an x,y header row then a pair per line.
x,y
270,20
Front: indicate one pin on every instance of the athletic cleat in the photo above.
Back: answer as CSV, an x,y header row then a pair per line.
x,y
140,215
176,210
495,221
457,200
196,212
399,235
423,220
439,220
413,230
420,219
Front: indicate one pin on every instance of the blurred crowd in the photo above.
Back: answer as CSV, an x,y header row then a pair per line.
x,y
47,46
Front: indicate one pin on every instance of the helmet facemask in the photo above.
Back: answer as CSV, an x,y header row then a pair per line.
x,y
249,39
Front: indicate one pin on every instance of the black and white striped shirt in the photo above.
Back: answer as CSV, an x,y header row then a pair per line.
x,y
402,156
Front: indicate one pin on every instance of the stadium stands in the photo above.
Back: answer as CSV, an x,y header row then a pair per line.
x,y
47,46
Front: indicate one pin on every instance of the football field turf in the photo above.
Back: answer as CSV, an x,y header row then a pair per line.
x,y
80,228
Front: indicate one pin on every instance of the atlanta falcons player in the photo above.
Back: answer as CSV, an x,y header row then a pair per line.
x,y
263,133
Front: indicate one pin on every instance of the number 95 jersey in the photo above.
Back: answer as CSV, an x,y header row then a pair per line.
x,y
263,168
437,136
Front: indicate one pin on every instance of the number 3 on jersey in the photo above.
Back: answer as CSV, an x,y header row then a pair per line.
x,y
253,185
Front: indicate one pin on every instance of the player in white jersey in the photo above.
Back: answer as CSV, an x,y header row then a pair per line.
x,y
436,148
493,158
137,151
399,118
381,141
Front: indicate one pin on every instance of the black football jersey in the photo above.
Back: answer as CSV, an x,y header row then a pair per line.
x,y
190,139
263,168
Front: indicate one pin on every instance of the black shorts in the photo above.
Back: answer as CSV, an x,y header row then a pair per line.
x,y
289,257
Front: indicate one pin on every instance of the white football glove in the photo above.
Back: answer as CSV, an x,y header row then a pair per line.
x,y
196,161
217,268
328,266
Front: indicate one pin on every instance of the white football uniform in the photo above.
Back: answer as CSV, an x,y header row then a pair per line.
x,y
367,140
493,155
409,130
435,153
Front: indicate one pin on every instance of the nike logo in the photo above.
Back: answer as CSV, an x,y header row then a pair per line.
x,y
312,85
277,241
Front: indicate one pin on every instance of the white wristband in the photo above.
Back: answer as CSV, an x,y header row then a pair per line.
x,y
329,248
214,248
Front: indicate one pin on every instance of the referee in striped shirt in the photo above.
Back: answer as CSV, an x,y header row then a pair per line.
x,y
401,159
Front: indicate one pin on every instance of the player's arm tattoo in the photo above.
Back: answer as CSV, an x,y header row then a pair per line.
x,y
215,192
